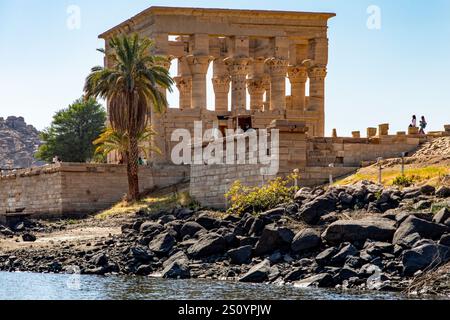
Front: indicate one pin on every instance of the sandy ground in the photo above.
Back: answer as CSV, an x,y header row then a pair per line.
x,y
66,237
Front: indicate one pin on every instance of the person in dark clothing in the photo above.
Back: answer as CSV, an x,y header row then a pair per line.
x,y
423,125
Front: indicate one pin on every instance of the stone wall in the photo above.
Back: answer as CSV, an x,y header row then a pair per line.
x,y
351,152
312,156
73,189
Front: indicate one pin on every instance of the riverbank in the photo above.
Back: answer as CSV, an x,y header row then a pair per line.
x,y
360,237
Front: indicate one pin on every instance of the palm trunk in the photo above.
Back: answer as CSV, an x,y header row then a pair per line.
x,y
132,169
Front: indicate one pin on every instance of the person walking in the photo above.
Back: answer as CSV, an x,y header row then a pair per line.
x,y
423,125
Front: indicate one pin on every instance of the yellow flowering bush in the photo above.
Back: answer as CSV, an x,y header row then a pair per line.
x,y
254,200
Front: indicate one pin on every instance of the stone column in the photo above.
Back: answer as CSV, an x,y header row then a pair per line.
x,y
221,83
256,89
199,65
278,70
298,75
184,85
238,69
317,75
221,90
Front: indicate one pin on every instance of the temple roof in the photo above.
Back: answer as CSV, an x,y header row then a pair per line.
x,y
203,12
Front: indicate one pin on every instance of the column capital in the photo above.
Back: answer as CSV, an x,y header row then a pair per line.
x,y
277,66
317,73
239,66
184,84
199,64
256,85
165,62
221,84
298,74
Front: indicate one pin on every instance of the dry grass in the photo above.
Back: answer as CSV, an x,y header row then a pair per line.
x,y
434,281
432,175
150,204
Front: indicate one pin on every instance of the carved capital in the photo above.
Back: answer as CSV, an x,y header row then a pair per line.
x,y
298,74
256,86
184,84
277,66
266,81
318,73
238,66
166,63
221,84
199,64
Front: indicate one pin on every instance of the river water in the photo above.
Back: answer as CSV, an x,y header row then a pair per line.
x,y
31,286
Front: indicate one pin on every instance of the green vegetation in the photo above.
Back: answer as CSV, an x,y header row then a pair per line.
x,y
255,200
133,83
72,131
112,141
403,181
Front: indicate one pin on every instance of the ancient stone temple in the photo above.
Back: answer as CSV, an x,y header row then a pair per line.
x,y
252,53
255,56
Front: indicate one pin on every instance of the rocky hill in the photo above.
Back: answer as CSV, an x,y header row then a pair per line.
x,y
18,143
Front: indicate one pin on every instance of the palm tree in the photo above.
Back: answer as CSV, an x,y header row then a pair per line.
x,y
112,141
133,84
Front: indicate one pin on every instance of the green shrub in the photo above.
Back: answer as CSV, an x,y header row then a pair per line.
x,y
403,181
255,200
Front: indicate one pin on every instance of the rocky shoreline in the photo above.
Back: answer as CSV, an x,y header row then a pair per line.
x,y
362,237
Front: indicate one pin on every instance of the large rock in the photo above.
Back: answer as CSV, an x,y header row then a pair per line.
x,y
162,244
445,240
424,257
207,222
442,216
180,255
151,228
208,245
425,228
141,254
190,229
258,273
443,192
28,237
99,260
273,215
241,255
325,256
178,269
307,239
323,280
347,251
359,230
273,238
427,190
313,210
401,217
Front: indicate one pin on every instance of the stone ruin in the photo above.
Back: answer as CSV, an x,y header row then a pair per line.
x,y
252,53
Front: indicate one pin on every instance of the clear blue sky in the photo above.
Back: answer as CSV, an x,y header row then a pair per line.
x,y
375,76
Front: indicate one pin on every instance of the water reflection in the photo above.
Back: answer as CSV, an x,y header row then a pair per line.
x,y
29,286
